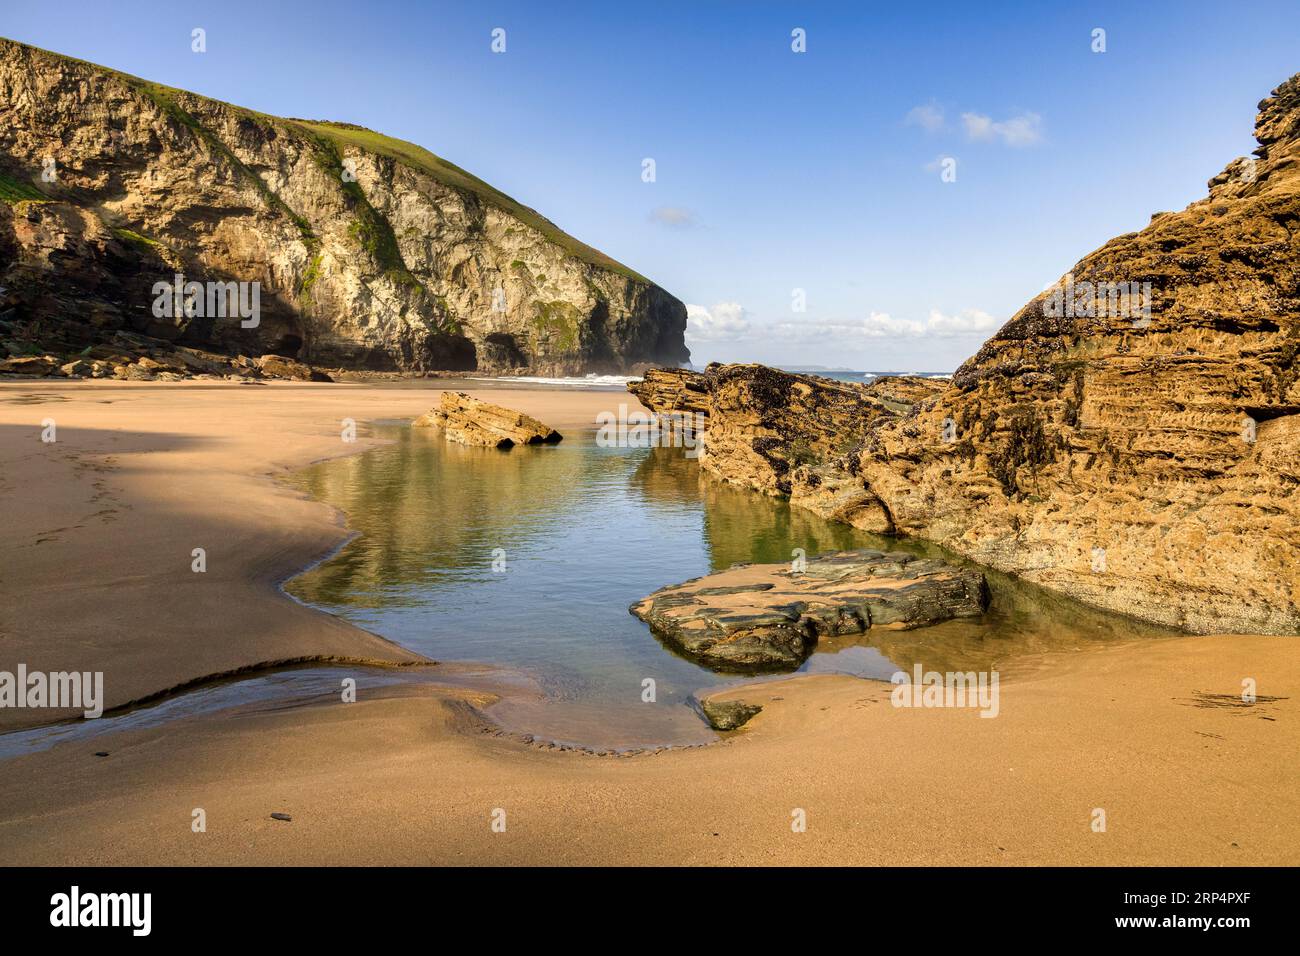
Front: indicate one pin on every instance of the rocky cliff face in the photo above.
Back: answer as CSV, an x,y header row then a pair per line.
x,y
368,251
1131,438
1144,459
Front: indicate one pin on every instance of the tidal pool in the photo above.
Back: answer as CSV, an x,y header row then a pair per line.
x,y
529,559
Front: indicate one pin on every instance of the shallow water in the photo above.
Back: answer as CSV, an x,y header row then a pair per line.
x,y
296,683
584,532
530,558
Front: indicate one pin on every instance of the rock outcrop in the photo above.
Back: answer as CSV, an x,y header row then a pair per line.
x,y
728,714
1130,438
1139,452
37,366
769,616
782,433
365,251
139,358
791,434
469,421
668,391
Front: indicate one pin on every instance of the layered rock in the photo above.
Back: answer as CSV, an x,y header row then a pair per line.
x,y
1141,459
769,616
763,424
469,421
783,433
37,366
668,391
368,252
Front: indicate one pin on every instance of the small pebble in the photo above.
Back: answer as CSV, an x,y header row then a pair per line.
x,y
101,753
281,816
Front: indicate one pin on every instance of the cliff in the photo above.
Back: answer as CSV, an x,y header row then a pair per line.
x,y
1139,453
368,252
1130,438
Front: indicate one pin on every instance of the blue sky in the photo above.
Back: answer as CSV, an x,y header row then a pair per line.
x,y
775,171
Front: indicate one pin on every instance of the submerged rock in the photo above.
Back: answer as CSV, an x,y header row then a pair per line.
x,y
768,616
469,421
728,714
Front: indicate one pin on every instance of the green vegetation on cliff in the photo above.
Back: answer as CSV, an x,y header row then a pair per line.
x,y
14,191
449,174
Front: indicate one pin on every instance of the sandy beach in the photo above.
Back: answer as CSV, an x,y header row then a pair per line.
x,y
101,525
96,569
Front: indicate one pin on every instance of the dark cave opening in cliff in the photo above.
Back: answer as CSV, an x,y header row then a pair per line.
x,y
451,354
500,350
289,345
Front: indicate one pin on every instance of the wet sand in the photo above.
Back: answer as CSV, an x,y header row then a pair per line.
x,y
100,526
414,780
95,564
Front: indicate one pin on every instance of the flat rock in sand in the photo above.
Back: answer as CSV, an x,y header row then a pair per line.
x,y
765,616
472,422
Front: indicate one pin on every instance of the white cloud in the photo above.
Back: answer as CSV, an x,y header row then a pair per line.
x,y
928,116
882,325
674,216
977,125
1023,130
965,322
724,322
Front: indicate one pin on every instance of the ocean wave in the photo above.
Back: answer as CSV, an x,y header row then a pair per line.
x,y
583,381
870,376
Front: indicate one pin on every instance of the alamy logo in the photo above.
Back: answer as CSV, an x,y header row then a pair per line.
x,y
644,430
84,690
213,300
950,689
134,910
1107,300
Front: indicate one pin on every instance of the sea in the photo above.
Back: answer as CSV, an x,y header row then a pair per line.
x,y
619,382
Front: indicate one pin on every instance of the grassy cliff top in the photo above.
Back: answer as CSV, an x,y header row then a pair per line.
x,y
449,174
349,135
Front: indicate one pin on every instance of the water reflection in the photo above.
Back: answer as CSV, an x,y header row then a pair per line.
x,y
576,533
583,532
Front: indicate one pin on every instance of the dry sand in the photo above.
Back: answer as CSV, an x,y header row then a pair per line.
x,y
94,565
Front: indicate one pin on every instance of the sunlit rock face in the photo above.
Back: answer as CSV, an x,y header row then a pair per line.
x,y
369,252
1144,459
782,433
